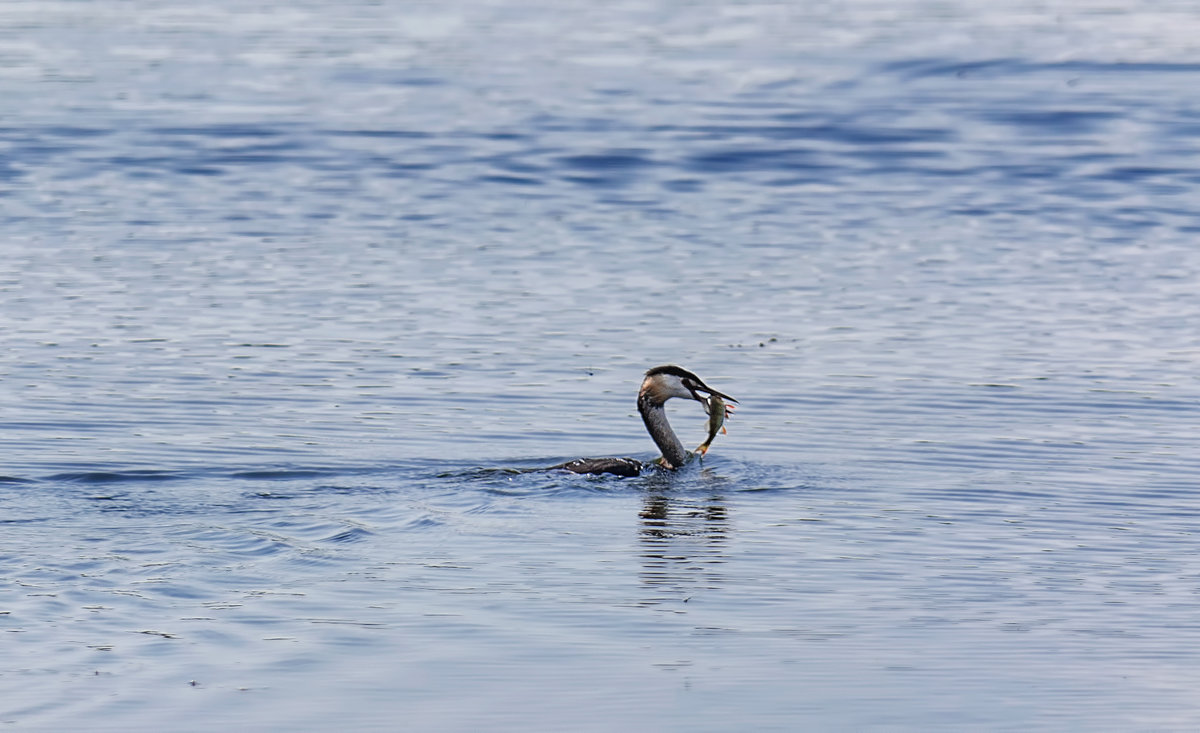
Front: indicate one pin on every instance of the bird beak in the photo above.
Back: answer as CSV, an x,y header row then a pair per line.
x,y
705,388
723,396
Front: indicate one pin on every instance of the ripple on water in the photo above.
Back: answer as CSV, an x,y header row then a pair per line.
x,y
272,348
111,477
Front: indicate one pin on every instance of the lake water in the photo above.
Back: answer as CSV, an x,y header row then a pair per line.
x,y
287,287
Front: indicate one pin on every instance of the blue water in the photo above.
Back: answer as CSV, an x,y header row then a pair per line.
x,y
288,289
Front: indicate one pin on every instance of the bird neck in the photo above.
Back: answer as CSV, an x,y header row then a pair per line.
x,y
655,417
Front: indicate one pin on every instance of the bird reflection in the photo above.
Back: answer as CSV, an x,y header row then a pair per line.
x,y
683,542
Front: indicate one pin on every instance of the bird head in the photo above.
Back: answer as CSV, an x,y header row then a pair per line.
x,y
667,381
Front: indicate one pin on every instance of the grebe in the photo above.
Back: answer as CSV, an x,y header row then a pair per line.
x,y
661,384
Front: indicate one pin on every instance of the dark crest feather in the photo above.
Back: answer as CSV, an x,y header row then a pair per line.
x,y
674,371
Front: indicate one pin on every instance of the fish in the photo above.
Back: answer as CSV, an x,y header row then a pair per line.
x,y
718,411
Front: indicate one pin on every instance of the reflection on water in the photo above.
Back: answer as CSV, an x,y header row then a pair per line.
x,y
682,544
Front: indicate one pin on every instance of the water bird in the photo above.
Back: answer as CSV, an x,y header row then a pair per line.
x,y
659,385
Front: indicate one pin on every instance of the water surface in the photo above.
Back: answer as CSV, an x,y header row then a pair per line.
x,y
287,289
